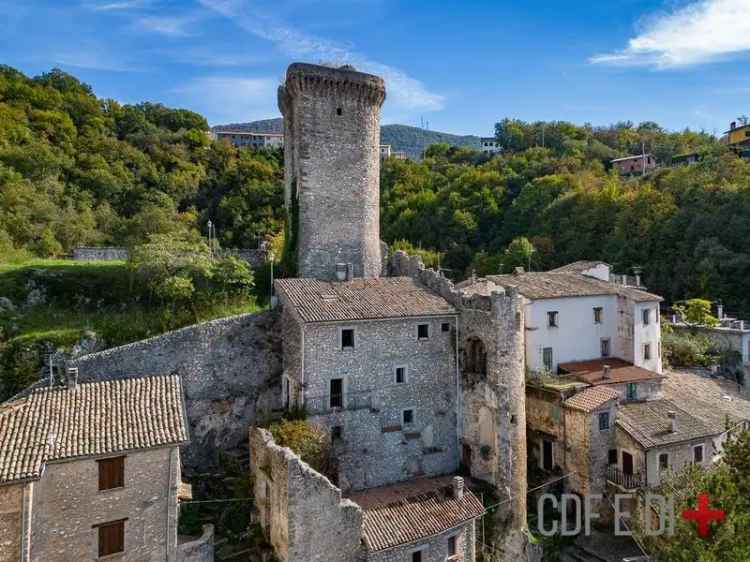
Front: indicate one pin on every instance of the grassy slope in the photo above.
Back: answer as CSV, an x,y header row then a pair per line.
x,y
81,297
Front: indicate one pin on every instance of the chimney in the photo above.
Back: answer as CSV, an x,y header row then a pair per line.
x,y
607,372
672,421
518,271
720,311
341,271
71,380
349,271
458,488
733,125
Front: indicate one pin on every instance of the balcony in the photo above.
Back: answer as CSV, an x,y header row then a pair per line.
x,y
624,481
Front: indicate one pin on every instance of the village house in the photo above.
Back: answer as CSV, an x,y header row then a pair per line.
x,y
730,333
252,139
374,361
91,471
636,164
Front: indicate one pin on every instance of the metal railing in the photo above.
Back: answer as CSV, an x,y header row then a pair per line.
x,y
626,481
318,405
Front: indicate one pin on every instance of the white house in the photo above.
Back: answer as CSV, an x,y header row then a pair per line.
x,y
578,313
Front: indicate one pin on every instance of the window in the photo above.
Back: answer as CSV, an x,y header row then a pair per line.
x,y
445,327
604,344
552,319
337,393
547,358
339,111
646,351
400,375
347,338
632,391
597,315
698,454
452,551
612,456
646,316
663,462
423,331
111,537
407,417
547,457
111,473
416,556
604,421
336,432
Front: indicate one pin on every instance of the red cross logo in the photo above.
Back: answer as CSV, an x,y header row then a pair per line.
x,y
703,516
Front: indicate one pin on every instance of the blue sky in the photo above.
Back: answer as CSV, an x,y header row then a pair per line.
x,y
460,66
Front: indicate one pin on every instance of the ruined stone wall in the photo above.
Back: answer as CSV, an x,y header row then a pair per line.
x,y
493,406
200,549
376,448
11,522
331,140
230,369
99,253
67,503
434,549
545,419
302,513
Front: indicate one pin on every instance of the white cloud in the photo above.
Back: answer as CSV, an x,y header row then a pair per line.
x,y
405,94
229,98
93,58
115,6
174,26
701,32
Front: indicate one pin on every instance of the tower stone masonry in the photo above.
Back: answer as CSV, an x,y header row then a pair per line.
x,y
332,168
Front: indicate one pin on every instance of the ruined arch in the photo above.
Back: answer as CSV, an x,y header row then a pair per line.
x,y
475,358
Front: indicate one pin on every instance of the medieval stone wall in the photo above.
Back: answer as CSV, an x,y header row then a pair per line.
x,y
331,144
376,447
67,504
11,513
301,512
230,369
94,253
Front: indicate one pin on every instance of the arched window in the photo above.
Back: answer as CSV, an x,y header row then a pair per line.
x,y
475,357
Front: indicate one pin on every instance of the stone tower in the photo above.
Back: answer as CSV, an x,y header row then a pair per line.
x,y
332,168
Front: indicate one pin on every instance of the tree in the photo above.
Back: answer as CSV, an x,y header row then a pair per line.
x,y
518,254
696,312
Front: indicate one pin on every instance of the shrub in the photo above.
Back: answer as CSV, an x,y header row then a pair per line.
x,y
309,441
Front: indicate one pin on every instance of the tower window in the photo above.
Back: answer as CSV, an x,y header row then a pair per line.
x,y
347,338
339,111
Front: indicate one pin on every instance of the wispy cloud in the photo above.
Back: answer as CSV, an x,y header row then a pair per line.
x,y
94,59
171,26
229,98
116,6
700,32
405,94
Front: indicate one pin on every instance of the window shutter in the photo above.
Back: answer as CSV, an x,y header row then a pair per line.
x,y
111,538
111,473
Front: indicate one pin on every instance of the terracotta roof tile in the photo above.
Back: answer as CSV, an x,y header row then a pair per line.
x,y
592,372
649,424
407,512
361,299
56,423
591,398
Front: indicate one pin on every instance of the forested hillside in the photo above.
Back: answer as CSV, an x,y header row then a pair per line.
x,y
78,170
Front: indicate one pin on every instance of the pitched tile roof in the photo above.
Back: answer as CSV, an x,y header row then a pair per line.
x,y
556,284
56,423
407,512
621,371
649,424
591,398
714,400
578,266
361,299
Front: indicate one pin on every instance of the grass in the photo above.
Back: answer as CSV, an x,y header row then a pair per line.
x,y
82,297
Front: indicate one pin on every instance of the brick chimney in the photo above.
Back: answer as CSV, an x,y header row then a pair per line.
x,y
607,372
672,421
458,488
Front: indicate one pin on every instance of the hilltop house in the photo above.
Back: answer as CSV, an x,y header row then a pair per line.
x,y
636,164
92,470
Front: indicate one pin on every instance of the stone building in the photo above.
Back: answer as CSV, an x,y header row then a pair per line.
x,y
332,168
308,519
92,470
374,361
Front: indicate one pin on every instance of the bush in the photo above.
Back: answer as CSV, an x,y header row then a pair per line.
x,y
309,441
682,349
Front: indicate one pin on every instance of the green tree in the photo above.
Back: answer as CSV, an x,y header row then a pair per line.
x,y
696,312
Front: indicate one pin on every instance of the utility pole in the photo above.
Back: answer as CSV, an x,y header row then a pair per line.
x,y
210,245
643,157
270,298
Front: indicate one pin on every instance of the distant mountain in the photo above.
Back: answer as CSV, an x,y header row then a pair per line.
x,y
404,138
